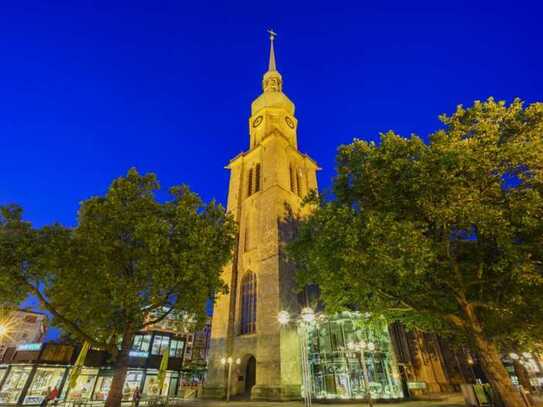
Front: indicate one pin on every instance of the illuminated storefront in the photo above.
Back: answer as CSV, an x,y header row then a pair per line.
x,y
338,348
32,370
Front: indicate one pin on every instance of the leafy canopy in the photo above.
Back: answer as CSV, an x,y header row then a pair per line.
x,y
445,235
129,262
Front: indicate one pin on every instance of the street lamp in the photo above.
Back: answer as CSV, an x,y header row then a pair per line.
x,y
307,317
361,347
229,361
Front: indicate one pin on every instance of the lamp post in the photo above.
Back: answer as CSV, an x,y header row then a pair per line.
x,y
229,361
361,347
307,317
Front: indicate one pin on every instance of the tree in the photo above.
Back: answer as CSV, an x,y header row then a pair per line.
x,y
130,262
445,235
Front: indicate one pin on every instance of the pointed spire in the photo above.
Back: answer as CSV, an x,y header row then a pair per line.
x,y
271,65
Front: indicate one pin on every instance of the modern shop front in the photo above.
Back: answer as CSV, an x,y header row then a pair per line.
x,y
350,357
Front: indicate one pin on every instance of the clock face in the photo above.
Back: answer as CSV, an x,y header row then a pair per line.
x,y
257,121
289,122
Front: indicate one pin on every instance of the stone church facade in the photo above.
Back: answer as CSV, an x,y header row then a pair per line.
x,y
271,174
265,180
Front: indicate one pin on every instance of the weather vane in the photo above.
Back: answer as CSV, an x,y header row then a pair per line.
x,y
272,33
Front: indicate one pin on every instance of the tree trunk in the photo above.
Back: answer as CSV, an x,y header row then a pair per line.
x,y
496,373
115,394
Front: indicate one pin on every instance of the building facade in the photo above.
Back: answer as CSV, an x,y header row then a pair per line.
x,y
22,327
271,174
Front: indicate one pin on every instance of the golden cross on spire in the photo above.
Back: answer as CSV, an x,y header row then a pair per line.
x,y
272,33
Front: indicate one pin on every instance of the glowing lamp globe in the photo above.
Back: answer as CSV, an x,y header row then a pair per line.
x,y
308,315
283,317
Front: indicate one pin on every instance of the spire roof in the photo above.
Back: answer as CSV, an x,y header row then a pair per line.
x,y
271,65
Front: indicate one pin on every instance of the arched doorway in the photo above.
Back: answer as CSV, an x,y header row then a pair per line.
x,y
250,376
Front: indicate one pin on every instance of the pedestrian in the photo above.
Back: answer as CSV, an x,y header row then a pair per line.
x,y
53,395
136,396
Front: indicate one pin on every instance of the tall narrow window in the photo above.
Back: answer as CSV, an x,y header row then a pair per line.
x,y
299,182
292,186
257,178
246,243
250,183
248,303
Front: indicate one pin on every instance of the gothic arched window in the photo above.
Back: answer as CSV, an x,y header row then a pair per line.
x,y
299,182
292,180
257,178
250,183
248,303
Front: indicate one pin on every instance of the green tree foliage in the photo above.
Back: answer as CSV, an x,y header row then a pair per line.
x,y
130,261
445,235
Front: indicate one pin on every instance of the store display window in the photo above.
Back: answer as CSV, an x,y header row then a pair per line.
x,y
45,379
3,371
150,388
103,384
83,385
336,361
14,384
132,382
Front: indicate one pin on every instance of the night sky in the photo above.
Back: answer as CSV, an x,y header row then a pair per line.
x,y
90,89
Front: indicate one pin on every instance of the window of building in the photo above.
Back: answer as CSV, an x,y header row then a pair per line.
x,y
141,343
132,382
299,182
83,385
248,303
160,344
176,348
250,183
292,186
31,319
257,178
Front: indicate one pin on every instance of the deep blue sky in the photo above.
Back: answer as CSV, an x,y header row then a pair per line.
x,y
89,89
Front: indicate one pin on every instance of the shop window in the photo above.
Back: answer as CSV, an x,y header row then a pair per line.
x,y
44,379
103,384
131,383
176,348
160,344
83,385
257,178
141,343
248,303
14,384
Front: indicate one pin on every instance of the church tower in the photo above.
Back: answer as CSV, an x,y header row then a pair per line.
x,y
271,174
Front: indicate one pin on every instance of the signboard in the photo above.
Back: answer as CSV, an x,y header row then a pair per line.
x,y
29,347
416,385
33,399
138,354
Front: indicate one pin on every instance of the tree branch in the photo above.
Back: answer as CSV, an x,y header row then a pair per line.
x,y
70,324
157,320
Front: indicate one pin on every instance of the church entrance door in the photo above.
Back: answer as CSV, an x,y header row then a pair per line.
x,y
250,376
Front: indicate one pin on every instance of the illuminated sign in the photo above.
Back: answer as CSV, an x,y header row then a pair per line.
x,y
138,354
29,346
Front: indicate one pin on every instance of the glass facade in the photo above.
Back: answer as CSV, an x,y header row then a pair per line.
x,y
45,378
14,384
339,347
83,385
